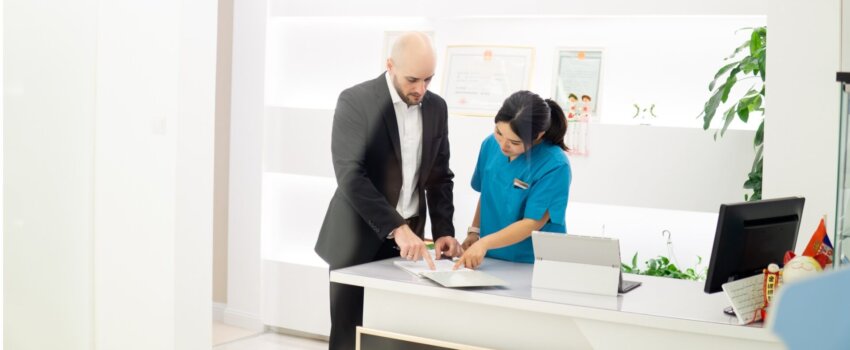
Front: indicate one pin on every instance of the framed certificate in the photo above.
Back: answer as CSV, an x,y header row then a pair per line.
x,y
479,78
577,82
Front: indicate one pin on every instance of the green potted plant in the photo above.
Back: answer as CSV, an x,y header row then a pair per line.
x,y
663,267
747,68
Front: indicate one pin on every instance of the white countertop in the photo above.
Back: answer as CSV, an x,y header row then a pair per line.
x,y
659,302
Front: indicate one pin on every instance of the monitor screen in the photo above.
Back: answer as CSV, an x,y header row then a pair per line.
x,y
750,236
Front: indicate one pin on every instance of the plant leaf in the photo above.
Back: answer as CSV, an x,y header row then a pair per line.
x,y
758,160
738,49
755,104
759,139
728,118
710,108
743,110
755,42
720,72
730,82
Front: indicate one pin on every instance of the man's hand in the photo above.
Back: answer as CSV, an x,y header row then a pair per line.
x,y
447,246
411,246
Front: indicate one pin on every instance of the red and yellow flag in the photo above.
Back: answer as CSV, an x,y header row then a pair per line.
x,y
819,246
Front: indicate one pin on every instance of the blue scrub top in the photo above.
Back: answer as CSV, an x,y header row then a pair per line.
x,y
546,170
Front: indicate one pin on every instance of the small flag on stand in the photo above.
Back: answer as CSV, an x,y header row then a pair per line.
x,y
819,247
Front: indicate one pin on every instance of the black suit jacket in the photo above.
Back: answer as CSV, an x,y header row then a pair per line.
x,y
367,162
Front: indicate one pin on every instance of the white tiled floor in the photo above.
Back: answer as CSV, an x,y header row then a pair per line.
x,y
274,341
223,333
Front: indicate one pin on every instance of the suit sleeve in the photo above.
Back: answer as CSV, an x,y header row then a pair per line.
x,y
439,187
349,143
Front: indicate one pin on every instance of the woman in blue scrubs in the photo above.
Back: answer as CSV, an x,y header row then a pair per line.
x,y
523,177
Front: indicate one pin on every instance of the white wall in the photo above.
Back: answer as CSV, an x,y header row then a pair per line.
x,y
2,142
136,177
642,67
49,82
243,251
801,134
629,165
221,180
193,232
107,193
539,8
153,196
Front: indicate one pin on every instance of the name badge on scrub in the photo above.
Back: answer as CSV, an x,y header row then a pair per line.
x,y
520,184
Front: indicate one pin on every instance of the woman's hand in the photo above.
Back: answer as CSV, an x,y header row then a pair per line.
x,y
471,238
472,256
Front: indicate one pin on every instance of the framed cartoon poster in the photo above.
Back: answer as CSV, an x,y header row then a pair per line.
x,y
577,82
479,78
577,85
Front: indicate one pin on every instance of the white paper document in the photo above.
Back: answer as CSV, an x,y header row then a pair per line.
x,y
445,276
747,298
418,267
464,278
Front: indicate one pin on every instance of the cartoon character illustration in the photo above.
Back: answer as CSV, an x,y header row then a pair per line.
x,y
585,106
572,108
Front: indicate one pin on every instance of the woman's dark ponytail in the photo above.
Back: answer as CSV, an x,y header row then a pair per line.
x,y
558,128
529,115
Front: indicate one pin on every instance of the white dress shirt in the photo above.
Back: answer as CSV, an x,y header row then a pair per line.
x,y
409,120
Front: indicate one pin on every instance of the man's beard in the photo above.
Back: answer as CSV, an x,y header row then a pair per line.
x,y
404,97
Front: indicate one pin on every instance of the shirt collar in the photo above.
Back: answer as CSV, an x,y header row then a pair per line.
x,y
394,94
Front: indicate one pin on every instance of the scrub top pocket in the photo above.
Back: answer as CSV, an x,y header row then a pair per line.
x,y
513,197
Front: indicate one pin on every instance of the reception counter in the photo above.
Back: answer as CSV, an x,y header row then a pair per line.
x,y
661,314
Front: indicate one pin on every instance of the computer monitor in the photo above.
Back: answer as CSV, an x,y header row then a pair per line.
x,y
750,236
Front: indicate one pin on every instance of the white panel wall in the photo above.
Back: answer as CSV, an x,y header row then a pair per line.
x,y
243,251
629,165
193,233
642,67
2,94
136,174
49,96
108,239
222,151
540,8
801,134
153,196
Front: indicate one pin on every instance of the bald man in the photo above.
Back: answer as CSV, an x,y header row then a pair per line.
x,y
390,149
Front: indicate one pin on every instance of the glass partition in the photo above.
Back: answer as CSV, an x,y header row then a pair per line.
x,y
842,206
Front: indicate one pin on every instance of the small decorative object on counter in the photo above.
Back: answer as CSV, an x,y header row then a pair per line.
x,y
772,280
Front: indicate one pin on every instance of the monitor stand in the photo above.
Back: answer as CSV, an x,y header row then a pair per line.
x,y
729,311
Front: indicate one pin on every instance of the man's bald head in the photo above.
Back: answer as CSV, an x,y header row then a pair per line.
x,y
411,66
413,48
